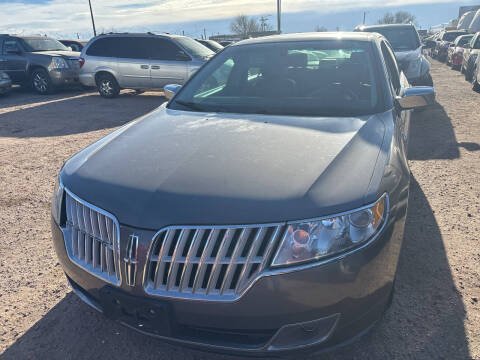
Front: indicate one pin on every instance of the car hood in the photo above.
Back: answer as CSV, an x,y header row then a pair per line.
x,y
66,54
184,168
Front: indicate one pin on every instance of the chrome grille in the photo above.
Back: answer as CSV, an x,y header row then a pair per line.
x,y
92,239
209,262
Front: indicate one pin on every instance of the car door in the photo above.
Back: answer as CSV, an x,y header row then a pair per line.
x,y
133,63
398,82
13,60
168,64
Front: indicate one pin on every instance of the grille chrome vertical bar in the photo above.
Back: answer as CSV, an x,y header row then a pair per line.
x,y
236,254
172,271
202,267
224,245
251,254
187,267
161,258
268,251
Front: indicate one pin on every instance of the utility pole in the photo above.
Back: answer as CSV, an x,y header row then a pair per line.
x,y
93,21
364,17
205,33
279,16
263,22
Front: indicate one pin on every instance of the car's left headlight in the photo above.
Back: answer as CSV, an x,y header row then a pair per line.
x,y
59,63
57,201
322,238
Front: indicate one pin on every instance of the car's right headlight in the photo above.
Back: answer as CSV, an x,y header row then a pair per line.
x,y
318,239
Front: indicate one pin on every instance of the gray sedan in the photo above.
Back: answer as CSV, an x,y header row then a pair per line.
x,y
261,211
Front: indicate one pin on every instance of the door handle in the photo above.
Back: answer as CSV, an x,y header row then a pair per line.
x,y
155,67
144,66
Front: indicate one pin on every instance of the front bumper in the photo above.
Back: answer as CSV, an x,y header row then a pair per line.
x,y
62,77
314,307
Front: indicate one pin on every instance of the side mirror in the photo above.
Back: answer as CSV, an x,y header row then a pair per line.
x,y
416,97
170,90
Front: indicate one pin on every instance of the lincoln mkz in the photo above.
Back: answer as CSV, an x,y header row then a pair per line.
x,y
259,212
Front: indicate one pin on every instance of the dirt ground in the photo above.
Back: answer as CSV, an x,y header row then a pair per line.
x,y
435,312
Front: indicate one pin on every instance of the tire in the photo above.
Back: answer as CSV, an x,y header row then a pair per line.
x,y
41,82
468,73
107,86
461,69
476,85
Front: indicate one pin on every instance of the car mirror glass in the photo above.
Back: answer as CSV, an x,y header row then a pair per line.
x,y
416,97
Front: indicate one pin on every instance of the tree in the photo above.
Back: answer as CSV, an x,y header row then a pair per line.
x,y
319,28
400,17
244,25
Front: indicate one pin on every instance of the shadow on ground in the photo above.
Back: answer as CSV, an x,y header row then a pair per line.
x,y
432,136
23,114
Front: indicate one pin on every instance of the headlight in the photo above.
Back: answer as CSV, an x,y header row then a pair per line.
x,y
318,239
59,63
57,201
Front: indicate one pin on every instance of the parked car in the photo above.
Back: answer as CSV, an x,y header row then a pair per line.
x,y
443,41
470,55
408,50
262,215
38,61
212,45
476,76
75,45
5,83
225,43
139,61
455,51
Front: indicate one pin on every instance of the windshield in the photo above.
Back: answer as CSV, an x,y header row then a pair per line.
x,y
321,78
194,47
463,40
213,45
43,44
451,36
401,39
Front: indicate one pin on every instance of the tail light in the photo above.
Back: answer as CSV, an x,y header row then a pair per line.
x,y
81,61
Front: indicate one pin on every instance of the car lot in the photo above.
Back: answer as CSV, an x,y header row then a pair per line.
x,y
436,310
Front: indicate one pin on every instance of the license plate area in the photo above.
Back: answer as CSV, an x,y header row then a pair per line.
x,y
146,315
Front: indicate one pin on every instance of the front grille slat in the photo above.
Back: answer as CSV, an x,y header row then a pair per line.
x,y
217,266
93,243
219,262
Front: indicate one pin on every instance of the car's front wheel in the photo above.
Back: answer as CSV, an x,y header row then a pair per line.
x,y
476,84
41,82
107,86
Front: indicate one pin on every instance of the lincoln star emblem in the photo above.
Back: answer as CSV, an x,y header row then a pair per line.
x,y
131,260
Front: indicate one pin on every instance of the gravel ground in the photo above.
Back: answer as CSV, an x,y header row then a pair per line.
x,y
435,312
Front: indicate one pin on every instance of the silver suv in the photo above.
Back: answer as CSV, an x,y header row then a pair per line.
x,y
139,61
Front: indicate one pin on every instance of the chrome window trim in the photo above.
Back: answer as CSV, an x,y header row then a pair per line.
x,y
116,240
268,271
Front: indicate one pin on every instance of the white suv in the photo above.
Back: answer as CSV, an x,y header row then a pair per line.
x,y
139,61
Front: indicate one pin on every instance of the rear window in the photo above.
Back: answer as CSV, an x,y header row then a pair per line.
x,y
451,36
401,38
318,78
120,47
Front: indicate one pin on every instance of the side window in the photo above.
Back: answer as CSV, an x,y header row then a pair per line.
x,y
10,45
392,67
477,43
130,48
164,49
101,47
217,81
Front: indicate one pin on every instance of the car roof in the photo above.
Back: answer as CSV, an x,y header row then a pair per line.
x,y
148,34
383,26
311,37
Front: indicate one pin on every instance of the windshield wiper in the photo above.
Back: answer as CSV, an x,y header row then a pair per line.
x,y
190,105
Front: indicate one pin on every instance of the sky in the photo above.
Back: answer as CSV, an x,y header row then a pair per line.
x,y
71,18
